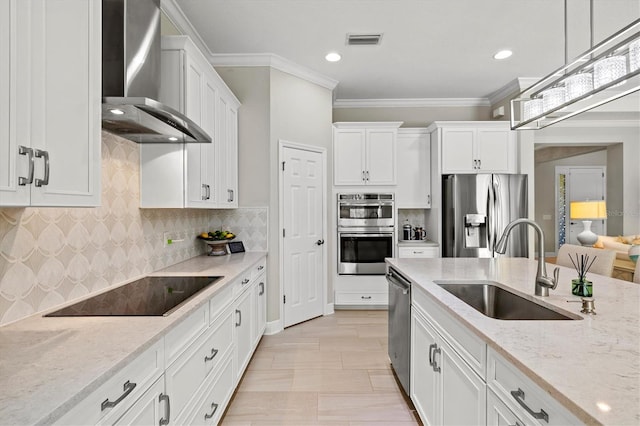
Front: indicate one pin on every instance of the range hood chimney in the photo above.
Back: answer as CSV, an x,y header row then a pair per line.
x,y
131,77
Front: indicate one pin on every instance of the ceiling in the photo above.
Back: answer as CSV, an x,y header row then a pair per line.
x,y
429,49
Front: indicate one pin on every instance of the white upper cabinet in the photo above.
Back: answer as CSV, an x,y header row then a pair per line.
x,y
192,175
413,169
365,153
476,147
50,102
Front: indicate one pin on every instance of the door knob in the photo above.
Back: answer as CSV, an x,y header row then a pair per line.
x,y
320,242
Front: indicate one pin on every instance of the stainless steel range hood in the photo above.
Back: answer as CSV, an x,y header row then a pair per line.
x,y
131,77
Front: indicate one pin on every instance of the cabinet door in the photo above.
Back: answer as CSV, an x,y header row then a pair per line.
x,y
498,414
243,331
348,157
425,392
260,296
495,150
208,158
413,170
463,392
193,108
65,101
380,157
228,161
458,150
152,406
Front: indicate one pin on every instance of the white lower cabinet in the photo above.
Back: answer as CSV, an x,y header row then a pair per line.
x,y
498,414
418,252
189,375
445,390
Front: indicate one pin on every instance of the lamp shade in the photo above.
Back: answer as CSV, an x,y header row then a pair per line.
x,y
588,210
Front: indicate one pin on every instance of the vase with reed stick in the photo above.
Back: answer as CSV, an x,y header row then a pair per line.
x,y
581,286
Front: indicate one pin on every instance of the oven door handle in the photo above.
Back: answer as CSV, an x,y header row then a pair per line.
x,y
365,235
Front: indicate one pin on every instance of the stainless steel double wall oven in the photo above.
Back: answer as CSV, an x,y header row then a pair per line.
x,y
366,233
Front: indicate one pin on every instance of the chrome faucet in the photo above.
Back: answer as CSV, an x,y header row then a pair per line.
x,y
543,282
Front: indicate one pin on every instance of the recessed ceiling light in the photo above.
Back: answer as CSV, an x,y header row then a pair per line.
x,y
116,111
503,54
333,57
173,139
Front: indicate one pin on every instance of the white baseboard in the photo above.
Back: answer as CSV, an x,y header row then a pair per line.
x,y
273,327
328,309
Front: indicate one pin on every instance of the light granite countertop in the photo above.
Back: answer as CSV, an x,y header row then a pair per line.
x,y
584,364
48,365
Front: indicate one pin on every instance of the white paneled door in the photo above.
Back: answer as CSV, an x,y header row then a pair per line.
x,y
303,235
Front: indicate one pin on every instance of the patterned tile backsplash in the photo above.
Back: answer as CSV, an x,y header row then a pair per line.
x,y
49,256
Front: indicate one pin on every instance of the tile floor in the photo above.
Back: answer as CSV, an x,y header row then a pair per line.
x,y
332,370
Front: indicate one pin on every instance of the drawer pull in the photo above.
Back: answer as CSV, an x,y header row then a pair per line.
x,y
164,421
246,280
436,350
239,322
214,352
519,397
38,153
261,289
128,387
431,348
214,408
23,150
260,268
365,297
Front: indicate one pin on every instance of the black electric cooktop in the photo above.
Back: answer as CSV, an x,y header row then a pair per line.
x,y
149,296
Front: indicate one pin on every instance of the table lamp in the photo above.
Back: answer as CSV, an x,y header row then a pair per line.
x,y
585,210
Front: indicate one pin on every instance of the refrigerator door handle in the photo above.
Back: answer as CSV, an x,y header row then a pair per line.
x,y
492,225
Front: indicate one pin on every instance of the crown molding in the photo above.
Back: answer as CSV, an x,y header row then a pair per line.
x,y
273,61
410,103
597,123
511,89
175,14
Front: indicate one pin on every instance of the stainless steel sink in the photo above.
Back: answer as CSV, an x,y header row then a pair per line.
x,y
496,302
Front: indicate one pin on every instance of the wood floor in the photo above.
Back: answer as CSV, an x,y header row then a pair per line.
x,y
332,370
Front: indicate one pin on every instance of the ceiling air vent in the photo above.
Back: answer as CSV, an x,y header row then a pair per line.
x,y
363,39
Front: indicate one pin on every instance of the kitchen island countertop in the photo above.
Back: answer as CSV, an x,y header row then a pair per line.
x,y
590,366
48,365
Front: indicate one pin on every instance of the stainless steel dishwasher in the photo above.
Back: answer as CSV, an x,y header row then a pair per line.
x,y
399,325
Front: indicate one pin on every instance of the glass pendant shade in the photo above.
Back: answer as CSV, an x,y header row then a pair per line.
x,y
608,69
634,55
532,108
578,85
553,97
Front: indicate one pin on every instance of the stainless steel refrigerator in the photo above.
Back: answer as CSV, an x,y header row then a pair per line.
x,y
475,211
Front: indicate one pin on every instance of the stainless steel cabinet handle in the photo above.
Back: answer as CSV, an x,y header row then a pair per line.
x,y
230,194
239,322
214,408
479,164
128,387
367,175
23,150
45,154
320,242
429,199
208,192
166,421
519,397
204,191
436,350
431,348
363,176
261,289
246,280
214,352
260,268
365,297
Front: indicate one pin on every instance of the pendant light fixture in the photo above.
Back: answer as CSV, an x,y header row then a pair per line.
x,y
607,71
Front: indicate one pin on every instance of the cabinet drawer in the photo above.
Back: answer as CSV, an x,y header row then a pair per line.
x,y
472,349
216,397
258,268
504,378
361,298
190,370
110,401
242,282
181,336
498,414
150,409
220,302
418,252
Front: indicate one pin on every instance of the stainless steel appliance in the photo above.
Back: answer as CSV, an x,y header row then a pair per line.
x,y
149,296
131,67
366,233
475,211
399,326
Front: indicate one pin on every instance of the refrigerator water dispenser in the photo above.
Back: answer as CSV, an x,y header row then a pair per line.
x,y
475,231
